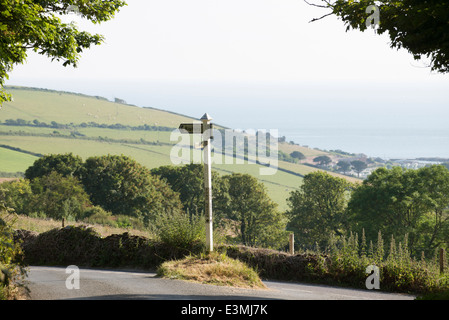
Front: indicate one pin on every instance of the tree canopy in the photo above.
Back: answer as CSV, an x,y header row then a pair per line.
x,y
343,166
188,181
359,166
323,160
297,155
35,25
399,202
318,209
65,164
121,185
258,222
418,26
58,196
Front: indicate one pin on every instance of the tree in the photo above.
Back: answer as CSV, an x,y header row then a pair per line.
x,y
318,209
257,220
17,195
343,166
59,197
64,164
359,166
188,181
323,160
122,186
35,25
418,26
399,202
434,188
297,155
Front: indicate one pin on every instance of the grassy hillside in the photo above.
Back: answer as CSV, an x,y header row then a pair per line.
x,y
48,105
71,112
14,161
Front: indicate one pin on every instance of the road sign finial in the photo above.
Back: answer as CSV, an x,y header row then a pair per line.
x,y
207,117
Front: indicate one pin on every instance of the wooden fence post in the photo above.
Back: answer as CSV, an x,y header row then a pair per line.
x,y
292,243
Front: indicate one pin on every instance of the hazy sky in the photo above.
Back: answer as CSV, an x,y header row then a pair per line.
x,y
181,55
232,40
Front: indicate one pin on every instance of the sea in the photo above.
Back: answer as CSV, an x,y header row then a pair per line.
x,y
404,136
386,120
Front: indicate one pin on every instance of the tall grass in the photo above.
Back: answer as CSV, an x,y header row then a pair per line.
x,y
212,268
350,256
345,262
179,230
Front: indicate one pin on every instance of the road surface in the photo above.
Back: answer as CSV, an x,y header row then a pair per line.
x,y
52,283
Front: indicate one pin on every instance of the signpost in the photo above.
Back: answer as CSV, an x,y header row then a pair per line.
x,y
206,131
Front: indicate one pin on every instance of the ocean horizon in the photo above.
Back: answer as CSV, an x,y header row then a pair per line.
x,y
377,137
390,122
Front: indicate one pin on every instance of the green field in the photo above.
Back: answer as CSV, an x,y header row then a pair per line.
x,y
14,161
47,106
150,148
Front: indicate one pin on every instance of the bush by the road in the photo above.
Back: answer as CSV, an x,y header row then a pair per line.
x,y
344,267
83,246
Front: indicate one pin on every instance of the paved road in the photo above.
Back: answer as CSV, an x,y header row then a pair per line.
x,y
50,283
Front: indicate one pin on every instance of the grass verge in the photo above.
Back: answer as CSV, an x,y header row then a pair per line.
x,y
213,268
40,225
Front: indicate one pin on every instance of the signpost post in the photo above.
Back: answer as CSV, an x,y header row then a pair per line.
x,y
206,131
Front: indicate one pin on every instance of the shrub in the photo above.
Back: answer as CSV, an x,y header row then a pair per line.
x,y
180,231
127,222
399,272
17,195
273,264
96,214
344,263
83,246
65,246
11,267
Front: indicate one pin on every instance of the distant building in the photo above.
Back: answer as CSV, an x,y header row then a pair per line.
x,y
416,164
